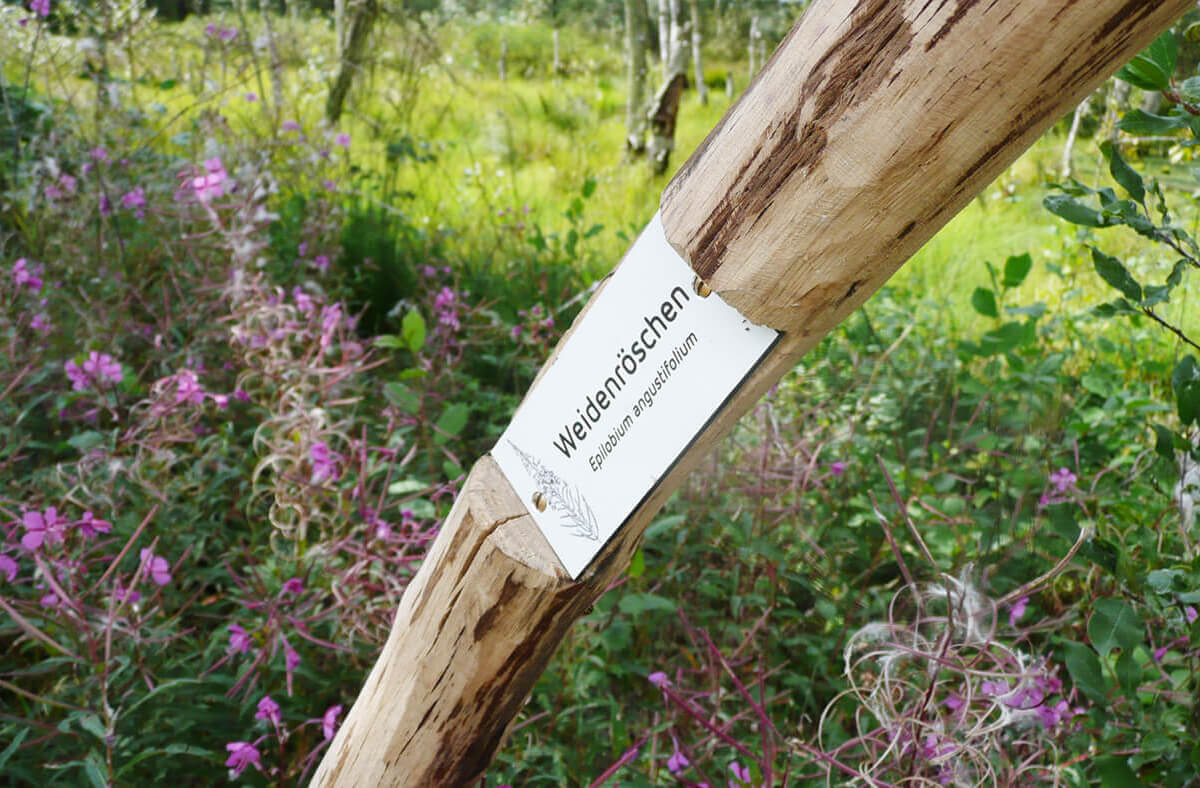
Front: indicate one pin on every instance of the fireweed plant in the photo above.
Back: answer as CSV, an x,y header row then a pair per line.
x,y
209,506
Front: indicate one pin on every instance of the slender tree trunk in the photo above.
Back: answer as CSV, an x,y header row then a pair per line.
x,y
502,66
557,55
636,22
353,56
339,25
1115,106
664,35
697,59
664,109
1068,164
755,37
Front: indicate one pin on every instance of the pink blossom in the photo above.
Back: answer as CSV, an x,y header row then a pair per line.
x,y
1190,614
40,7
50,600
228,33
241,395
837,468
24,276
135,200
1062,480
99,154
90,525
212,183
268,710
221,400
251,98
1017,610
105,205
102,367
291,659
241,755
293,585
52,192
321,261
742,773
659,679
8,567
515,333
678,761
428,270
343,140
40,323
188,388
42,527
239,640
79,379
324,462
156,566
290,125
329,721
303,300
68,183
131,595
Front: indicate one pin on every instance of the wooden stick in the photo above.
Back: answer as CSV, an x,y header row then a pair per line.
x,y
872,125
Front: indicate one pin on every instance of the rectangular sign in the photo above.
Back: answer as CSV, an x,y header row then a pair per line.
x,y
646,368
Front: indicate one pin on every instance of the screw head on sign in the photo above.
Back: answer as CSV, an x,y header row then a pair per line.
x,y
539,501
701,287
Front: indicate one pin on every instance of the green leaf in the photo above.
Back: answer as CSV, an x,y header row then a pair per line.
x,y
1114,624
86,441
1114,772
390,342
1144,124
452,469
95,768
1190,90
402,397
1114,272
1074,211
12,747
1163,580
1153,68
1129,674
407,486
1084,667
1016,268
412,330
91,723
452,420
637,565
1122,173
637,604
984,301
1185,380
589,187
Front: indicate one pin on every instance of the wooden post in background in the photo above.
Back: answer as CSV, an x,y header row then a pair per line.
x,y
872,125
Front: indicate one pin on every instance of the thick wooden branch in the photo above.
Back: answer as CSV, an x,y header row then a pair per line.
x,y
872,125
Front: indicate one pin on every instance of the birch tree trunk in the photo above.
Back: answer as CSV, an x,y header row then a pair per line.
x,y
874,124
697,58
636,22
353,55
755,37
1067,166
664,34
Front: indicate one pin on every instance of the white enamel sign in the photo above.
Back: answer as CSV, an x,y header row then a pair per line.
x,y
645,370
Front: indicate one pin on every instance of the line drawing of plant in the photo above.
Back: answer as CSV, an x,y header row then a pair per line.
x,y
563,498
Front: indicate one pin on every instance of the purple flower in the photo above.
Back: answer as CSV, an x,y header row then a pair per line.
x,y
329,721
342,139
1062,480
678,761
251,97
121,594
92,526
742,773
321,261
42,527
135,200
1017,610
241,395
68,183
221,400
157,567
268,710
212,183
291,659
40,7
290,125
837,468
428,270
516,332
324,462
8,567
659,679
102,367
188,388
50,600
79,379
239,640
99,154
24,276
241,755
303,300
228,33
40,323
292,586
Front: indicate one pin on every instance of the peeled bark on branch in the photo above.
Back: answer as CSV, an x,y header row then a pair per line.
x,y
874,123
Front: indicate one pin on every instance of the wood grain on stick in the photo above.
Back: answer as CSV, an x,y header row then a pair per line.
x,y
872,125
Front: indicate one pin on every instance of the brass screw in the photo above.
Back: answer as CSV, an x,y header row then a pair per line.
x,y
539,501
701,287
